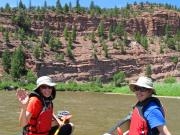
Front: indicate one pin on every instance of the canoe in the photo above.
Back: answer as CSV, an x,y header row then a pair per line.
x,y
121,127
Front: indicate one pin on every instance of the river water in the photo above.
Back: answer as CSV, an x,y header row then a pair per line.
x,y
93,113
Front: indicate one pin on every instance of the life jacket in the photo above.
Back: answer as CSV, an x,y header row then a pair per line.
x,y
139,125
41,124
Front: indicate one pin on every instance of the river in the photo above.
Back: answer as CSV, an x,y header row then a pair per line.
x,y
93,113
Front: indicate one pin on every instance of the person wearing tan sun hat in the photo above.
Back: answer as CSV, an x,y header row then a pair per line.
x,y
148,116
37,107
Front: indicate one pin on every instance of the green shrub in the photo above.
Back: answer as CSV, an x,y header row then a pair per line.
x,y
169,79
119,79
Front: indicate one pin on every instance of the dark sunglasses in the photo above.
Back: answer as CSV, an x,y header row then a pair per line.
x,y
46,87
141,89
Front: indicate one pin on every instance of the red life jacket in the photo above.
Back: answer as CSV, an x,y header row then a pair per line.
x,y
40,125
139,125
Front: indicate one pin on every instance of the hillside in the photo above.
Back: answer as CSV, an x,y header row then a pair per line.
x,y
93,53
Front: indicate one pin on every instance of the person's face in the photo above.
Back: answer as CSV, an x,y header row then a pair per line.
x,y
142,93
46,90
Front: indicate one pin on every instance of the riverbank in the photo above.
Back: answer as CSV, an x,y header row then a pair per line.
x,y
162,89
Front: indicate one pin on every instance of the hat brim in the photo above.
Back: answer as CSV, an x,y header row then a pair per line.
x,y
133,85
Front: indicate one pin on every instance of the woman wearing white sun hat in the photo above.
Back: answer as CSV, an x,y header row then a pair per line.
x,y
37,107
148,116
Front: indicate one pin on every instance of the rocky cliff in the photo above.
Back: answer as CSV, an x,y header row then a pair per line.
x,y
84,67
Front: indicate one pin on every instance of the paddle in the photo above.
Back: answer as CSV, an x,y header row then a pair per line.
x,y
118,124
61,123
57,131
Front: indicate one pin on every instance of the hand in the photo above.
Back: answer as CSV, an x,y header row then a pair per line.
x,y
23,97
60,123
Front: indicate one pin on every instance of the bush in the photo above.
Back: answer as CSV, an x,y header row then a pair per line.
x,y
169,79
119,79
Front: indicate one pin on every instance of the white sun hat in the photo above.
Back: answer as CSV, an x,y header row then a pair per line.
x,y
143,82
44,80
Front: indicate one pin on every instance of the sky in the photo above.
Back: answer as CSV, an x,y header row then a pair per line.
x,y
86,3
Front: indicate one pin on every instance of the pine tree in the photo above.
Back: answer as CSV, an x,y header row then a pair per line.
x,y
6,60
110,33
6,36
36,52
101,29
21,5
78,6
58,5
148,71
18,63
66,33
46,35
66,8
74,33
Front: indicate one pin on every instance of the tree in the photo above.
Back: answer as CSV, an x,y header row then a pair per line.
x,y
21,35
7,7
101,29
66,33
6,36
21,5
119,78
46,35
37,52
54,44
31,77
92,6
18,63
74,33
144,42
138,37
78,7
119,30
22,20
110,33
92,37
6,60
66,8
58,5
45,4
148,71
105,48
30,5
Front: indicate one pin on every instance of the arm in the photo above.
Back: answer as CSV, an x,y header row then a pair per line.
x,y
163,130
156,119
61,123
23,98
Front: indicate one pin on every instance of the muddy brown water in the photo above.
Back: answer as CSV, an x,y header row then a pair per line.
x,y
93,113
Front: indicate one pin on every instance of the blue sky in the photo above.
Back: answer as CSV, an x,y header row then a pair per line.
x,y
86,3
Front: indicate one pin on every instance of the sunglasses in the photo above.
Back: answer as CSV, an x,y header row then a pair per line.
x,y
141,89
46,87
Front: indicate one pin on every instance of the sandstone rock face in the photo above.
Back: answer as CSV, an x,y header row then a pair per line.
x,y
84,67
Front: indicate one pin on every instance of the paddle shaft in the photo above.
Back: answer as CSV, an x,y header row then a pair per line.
x,y
119,123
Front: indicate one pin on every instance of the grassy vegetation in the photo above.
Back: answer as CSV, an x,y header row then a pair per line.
x,y
162,89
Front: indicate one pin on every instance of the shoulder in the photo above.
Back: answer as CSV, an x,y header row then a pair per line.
x,y
153,110
152,103
153,107
35,101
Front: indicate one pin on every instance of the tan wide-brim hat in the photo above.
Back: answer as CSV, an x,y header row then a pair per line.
x,y
143,82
